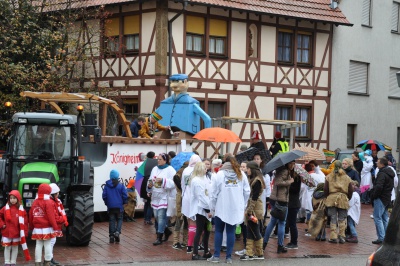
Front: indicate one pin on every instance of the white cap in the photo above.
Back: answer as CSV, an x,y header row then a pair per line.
x,y
54,188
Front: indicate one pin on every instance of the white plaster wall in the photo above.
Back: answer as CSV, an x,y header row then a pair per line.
x,y
148,20
374,115
238,40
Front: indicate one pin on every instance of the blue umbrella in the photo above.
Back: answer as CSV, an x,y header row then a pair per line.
x,y
180,158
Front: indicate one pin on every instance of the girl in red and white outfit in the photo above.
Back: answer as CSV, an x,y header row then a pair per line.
x,y
61,217
14,228
43,221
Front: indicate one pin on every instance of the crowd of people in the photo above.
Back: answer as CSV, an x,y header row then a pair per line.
x,y
223,195
212,195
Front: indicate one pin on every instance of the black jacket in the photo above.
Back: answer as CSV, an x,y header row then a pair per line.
x,y
358,165
275,148
294,192
353,174
383,185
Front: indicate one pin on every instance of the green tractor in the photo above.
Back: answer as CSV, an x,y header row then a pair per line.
x,y
46,148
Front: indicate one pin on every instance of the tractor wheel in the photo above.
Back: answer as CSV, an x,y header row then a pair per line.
x,y
79,230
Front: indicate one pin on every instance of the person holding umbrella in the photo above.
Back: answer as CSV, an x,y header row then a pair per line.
x,y
280,194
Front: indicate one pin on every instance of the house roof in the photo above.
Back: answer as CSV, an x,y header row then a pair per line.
x,y
317,10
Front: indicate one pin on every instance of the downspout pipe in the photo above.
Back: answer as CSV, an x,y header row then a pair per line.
x,y
170,43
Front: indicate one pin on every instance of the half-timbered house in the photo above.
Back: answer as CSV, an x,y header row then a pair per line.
x,y
267,59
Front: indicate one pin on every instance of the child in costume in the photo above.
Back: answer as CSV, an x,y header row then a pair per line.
x,y
43,221
61,217
130,207
14,228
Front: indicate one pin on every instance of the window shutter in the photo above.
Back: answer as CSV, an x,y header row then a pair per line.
x,y
218,28
112,27
195,25
395,17
366,13
358,77
131,25
394,89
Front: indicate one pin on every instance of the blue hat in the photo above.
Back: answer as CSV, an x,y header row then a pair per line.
x,y
114,174
368,152
178,77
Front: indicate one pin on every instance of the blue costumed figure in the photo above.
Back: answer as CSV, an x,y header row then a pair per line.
x,y
181,110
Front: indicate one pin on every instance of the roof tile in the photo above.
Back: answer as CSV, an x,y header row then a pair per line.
x,y
317,10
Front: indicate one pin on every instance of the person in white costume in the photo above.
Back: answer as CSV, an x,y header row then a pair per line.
x,y
199,202
353,214
186,175
159,185
230,193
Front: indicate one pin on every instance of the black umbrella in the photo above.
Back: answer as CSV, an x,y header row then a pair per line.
x,y
282,159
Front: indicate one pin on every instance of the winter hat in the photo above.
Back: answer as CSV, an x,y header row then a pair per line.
x,y
114,174
216,162
156,116
328,153
278,135
361,155
243,147
44,189
368,152
252,165
131,183
54,188
16,194
255,135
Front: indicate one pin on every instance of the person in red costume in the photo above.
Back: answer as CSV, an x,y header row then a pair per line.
x,y
13,228
42,219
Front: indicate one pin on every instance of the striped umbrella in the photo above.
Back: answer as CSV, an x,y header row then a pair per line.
x,y
312,154
373,145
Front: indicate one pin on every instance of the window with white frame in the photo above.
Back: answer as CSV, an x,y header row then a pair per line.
x,y
303,114
394,89
358,77
366,13
283,113
395,17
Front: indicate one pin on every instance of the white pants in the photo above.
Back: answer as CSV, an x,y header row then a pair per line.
x,y
48,251
10,254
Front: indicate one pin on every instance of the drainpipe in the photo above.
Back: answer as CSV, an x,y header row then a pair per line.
x,y
170,43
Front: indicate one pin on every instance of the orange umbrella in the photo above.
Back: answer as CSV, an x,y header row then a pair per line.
x,y
217,134
312,154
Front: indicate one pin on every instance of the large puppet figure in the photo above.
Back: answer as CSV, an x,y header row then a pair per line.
x,y
181,110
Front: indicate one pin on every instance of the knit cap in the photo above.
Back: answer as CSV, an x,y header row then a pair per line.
x,y
54,188
114,174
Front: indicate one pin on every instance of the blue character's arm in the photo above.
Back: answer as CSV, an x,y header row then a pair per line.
x,y
206,118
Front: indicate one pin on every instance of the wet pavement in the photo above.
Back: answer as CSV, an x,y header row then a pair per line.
x,y
137,238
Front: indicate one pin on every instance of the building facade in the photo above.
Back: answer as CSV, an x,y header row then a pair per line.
x,y
365,95
264,59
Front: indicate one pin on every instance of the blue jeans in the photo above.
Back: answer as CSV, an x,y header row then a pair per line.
x,y
161,217
148,211
352,226
381,218
115,223
291,221
365,197
272,222
230,237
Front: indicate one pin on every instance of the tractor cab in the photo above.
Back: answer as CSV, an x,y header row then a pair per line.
x,y
41,150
